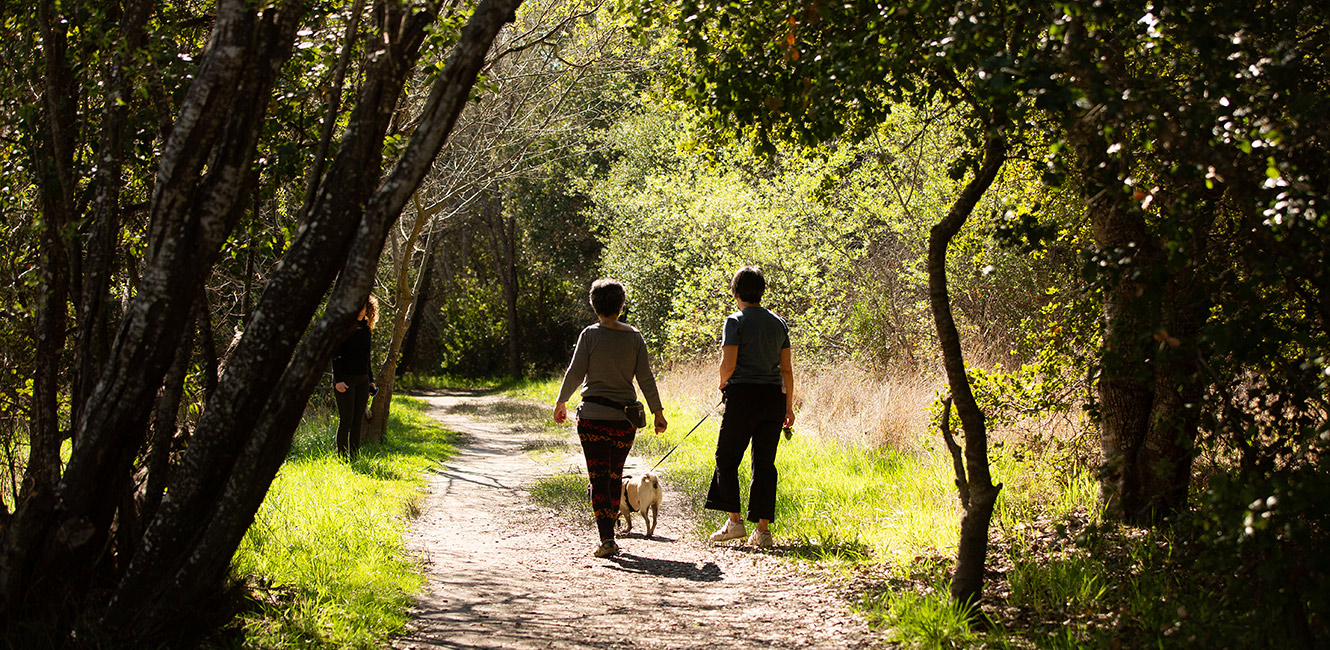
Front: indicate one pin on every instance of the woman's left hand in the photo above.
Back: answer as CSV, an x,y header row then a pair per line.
x,y
661,424
560,412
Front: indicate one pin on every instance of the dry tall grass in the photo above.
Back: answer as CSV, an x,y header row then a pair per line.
x,y
857,407
843,403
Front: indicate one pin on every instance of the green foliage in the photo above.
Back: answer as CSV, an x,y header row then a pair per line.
x,y
838,231
1071,581
1266,537
1058,347
325,558
930,621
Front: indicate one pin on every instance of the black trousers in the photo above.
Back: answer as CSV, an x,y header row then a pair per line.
x,y
753,413
606,444
351,413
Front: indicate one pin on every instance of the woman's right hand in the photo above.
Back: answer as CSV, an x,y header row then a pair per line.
x,y
340,387
560,412
661,424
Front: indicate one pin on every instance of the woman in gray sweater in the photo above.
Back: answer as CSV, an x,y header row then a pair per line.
x,y
608,356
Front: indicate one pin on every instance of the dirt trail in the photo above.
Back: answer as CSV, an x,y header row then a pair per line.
x,y
507,573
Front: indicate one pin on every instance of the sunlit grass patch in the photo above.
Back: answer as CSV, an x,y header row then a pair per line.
x,y
930,621
326,550
886,509
1072,580
565,492
413,381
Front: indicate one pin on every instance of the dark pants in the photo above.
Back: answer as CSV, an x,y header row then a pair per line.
x,y
351,413
605,443
753,413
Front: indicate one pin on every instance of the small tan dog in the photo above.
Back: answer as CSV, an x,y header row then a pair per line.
x,y
640,494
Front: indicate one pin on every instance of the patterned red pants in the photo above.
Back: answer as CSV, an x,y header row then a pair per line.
x,y
605,443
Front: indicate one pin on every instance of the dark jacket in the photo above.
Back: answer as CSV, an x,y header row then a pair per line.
x,y
352,358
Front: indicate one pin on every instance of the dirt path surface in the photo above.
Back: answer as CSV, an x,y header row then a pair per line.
x,y
505,572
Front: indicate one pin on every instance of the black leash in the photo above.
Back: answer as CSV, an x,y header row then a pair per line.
x,y
690,432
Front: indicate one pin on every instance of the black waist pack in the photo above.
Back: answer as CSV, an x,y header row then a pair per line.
x,y
634,410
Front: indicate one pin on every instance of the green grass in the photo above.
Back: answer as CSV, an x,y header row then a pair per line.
x,y
411,381
931,620
325,555
565,492
893,505
1060,576
895,515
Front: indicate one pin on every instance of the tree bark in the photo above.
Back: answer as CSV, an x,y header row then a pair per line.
x,y
165,417
1148,375
1148,384
409,357
23,533
407,290
968,582
211,510
1126,379
502,232
92,338
188,218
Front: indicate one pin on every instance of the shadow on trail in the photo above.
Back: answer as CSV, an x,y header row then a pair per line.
x,y
642,536
708,572
482,480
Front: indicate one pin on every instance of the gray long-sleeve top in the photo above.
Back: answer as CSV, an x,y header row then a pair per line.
x,y
608,360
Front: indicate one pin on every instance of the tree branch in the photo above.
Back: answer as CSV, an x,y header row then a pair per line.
x,y
962,486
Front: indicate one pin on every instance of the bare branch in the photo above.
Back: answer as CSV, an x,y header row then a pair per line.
x,y
962,486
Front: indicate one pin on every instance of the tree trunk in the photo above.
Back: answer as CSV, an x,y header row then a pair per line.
x,y
410,361
91,338
1148,383
55,550
22,535
192,214
214,509
377,427
978,492
503,242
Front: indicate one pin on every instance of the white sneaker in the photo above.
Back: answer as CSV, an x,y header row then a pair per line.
x,y
760,538
731,530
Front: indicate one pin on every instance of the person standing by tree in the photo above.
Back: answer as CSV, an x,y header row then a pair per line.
x,y
353,380
757,379
608,355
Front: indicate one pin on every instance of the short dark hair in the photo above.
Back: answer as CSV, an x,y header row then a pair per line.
x,y
607,296
748,284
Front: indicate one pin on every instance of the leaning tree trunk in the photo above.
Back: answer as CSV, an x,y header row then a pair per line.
x,y
977,492
54,551
91,339
237,449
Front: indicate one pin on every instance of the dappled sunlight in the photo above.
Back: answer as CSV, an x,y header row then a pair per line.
x,y
326,545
